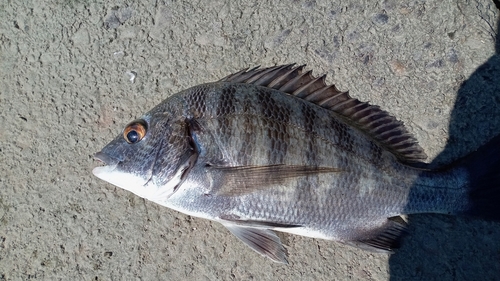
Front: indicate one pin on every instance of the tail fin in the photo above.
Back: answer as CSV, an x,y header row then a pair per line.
x,y
483,167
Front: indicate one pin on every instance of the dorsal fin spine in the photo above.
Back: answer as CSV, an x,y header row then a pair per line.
x,y
257,75
386,134
289,86
262,79
300,91
276,82
339,105
377,121
327,100
318,92
356,109
362,119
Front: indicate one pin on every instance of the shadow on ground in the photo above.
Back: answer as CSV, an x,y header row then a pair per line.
x,y
450,248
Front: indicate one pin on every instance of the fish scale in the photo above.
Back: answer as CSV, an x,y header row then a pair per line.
x,y
276,148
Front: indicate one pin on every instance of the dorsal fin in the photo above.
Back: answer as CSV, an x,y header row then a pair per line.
x,y
377,123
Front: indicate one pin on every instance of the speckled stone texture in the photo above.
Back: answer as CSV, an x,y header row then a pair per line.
x,y
73,73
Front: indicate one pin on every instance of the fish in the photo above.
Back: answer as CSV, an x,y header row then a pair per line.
x,y
277,149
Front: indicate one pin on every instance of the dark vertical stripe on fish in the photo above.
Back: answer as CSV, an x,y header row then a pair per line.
x,y
196,102
309,117
224,112
276,120
343,139
227,101
283,133
249,137
344,135
305,187
375,153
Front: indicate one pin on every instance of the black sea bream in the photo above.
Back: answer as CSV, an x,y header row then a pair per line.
x,y
277,149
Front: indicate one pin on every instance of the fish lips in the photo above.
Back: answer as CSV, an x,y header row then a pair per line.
x,y
106,159
110,164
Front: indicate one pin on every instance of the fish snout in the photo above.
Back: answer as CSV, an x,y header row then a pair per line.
x,y
105,158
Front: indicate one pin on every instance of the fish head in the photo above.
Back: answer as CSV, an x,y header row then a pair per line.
x,y
151,157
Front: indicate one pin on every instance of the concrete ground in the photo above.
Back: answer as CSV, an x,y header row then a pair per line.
x,y
66,91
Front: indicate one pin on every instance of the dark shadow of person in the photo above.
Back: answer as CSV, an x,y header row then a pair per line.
x,y
441,247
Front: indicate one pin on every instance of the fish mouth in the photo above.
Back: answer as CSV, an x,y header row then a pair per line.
x,y
106,159
109,162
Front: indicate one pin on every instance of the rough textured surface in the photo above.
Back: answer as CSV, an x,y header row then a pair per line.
x,y
73,73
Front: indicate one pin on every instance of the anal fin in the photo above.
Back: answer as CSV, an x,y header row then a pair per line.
x,y
383,239
263,241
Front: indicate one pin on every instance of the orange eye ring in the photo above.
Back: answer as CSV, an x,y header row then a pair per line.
x,y
135,131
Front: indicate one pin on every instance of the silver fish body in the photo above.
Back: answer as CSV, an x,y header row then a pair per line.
x,y
277,149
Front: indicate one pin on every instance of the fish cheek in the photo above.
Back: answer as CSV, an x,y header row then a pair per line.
x,y
166,160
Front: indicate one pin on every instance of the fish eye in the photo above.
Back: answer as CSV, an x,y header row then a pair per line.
x,y
135,131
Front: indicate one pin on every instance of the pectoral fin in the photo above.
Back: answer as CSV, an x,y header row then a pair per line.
x,y
263,241
240,180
